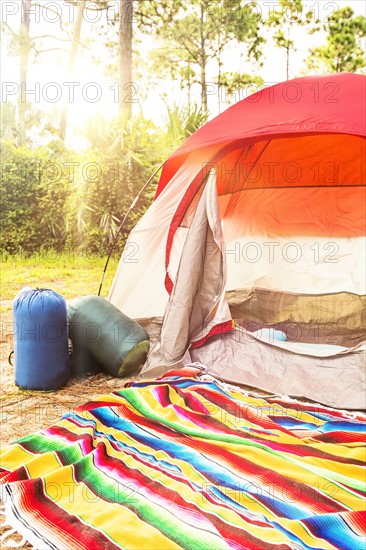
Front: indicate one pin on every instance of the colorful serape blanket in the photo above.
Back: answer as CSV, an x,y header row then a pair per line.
x,y
190,463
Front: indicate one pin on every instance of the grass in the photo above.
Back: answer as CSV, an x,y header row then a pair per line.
x,y
69,274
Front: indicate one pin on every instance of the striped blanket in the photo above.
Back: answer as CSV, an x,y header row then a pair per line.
x,y
190,463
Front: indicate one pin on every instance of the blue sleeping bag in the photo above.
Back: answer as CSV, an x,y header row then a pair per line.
x,y
41,351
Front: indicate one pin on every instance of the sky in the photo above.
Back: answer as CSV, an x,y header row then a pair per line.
x,y
93,92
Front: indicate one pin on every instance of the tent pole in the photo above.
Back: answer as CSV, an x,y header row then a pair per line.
x,y
135,200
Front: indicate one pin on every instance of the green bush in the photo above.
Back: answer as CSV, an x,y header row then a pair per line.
x,y
34,197
55,198
120,164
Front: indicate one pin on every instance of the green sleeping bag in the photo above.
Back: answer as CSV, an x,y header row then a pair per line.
x,y
104,338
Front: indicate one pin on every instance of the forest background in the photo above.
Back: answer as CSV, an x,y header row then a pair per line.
x,y
96,95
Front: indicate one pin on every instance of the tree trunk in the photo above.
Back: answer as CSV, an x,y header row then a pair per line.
x,y
71,65
23,70
203,64
126,87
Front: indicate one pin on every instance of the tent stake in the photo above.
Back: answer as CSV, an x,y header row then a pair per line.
x,y
134,202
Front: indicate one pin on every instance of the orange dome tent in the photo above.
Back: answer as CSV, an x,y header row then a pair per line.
x,y
259,222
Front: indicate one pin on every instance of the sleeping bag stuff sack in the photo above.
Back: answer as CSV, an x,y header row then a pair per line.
x,y
41,352
114,341
82,361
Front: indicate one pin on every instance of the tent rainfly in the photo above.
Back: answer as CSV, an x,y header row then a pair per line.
x,y
259,222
